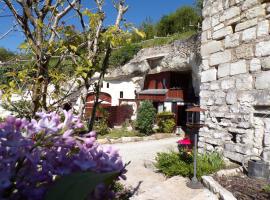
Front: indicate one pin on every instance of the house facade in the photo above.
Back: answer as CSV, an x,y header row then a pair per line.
x,y
169,91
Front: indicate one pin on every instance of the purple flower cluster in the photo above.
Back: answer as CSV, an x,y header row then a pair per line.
x,y
34,153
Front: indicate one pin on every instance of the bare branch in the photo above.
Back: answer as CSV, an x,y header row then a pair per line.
x,y
59,16
122,9
10,30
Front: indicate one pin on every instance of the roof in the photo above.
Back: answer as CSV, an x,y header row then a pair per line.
x,y
195,109
154,91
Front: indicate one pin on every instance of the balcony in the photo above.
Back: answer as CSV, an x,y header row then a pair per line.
x,y
177,94
161,95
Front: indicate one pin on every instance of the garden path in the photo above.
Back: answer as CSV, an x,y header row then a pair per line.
x,y
146,183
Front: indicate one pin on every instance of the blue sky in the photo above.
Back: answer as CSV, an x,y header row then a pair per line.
x,y
138,11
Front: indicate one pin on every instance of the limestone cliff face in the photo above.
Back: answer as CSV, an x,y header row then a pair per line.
x,y
181,55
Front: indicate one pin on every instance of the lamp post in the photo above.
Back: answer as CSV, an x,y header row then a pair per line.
x,y
194,124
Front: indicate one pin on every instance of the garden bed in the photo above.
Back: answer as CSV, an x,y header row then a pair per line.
x,y
245,188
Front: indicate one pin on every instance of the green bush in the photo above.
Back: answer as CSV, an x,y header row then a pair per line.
x,y
124,54
166,122
101,126
181,163
178,22
145,117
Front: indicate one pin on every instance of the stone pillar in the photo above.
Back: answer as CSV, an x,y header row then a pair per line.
x,y
235,78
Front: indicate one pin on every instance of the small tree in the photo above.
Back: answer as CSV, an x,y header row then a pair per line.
x,y
146,117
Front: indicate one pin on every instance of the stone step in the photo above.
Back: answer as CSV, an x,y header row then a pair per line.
x,y
174,189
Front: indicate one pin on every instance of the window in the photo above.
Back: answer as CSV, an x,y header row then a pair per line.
x,y
108,85
102,85
121,95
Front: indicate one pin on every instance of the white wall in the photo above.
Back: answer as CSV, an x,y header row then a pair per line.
x,y
168,106
128,88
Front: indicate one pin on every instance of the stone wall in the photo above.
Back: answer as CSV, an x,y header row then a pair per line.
x,y
235,78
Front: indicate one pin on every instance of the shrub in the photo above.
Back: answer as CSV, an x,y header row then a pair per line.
x,y
181,163
50,157
146,117
124,54
101,124
166,122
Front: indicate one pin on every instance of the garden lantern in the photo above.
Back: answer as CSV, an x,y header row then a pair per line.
x,y
194,124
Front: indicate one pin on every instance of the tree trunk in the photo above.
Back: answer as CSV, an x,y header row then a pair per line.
x,y
104,67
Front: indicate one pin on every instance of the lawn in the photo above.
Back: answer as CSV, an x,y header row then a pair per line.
x,y
118,133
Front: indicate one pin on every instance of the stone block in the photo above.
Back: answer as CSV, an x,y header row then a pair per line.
x,y
218,27
244,51
245,97
216,188
246,24
239,148
233,21
227,84
267,124
216,7
209,75
232,40
204,37
214,86
211,47
231,97
220,58
215,20
205,64
224,70
263,80
234,156
249,34
262,97
244,82
263,49
214,141
249,3
239,67
221,33
230,13
263,28
256,11
266,139
206,94
266,63
266,154
255,65
206,24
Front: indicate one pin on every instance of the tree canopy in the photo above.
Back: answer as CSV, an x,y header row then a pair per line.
x,y
5,54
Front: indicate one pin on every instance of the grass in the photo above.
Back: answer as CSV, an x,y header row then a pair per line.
x,y
166,40
118,133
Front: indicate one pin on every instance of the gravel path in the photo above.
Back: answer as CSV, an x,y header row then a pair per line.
x,y
150,185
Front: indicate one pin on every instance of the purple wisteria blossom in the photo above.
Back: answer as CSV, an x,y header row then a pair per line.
x,y
33,153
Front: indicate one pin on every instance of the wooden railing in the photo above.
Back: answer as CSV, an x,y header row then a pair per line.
x,y
175,94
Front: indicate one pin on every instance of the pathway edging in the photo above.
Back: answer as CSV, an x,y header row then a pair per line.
x,y
216,188
158,136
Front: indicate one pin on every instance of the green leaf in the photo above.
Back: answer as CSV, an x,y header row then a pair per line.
x,y
139,33
78,186
39,23
23,46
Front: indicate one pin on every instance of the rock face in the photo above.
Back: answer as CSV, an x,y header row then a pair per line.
x,y
235,78
181,55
